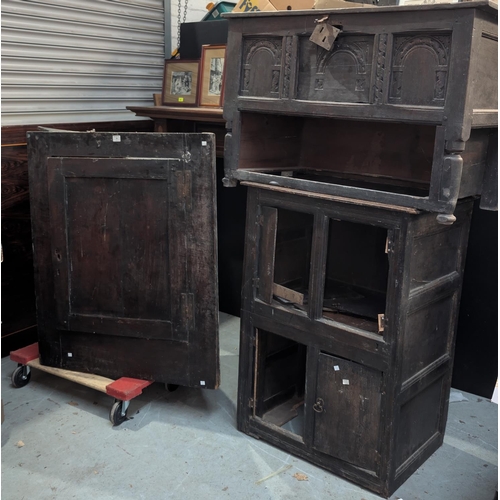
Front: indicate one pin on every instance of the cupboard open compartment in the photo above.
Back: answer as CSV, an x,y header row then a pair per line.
x,y
355,275
291,257
280,375
391,157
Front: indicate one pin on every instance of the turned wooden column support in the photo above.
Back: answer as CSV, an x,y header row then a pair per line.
x,y
449,186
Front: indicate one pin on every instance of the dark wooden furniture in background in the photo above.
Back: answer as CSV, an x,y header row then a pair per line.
x,y
186,119
402,109
125,254
231,203
348,331
18,296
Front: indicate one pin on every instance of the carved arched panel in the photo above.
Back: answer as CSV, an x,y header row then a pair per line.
x,y
261,67
419,72
340,75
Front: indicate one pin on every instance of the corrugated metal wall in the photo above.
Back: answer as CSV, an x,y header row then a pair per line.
x,y
68,61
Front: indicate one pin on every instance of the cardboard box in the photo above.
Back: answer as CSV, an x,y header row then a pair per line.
x,y
339,4
426,2
272,5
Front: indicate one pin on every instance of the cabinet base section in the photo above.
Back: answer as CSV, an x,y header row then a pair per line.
x,y
285,441
111,356
338,413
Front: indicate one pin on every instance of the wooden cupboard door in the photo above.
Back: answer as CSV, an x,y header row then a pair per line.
x,y
125,253
347,412
114,251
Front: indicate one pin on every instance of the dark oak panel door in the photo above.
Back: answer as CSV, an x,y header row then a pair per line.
x,y
111,238
127,247
347,412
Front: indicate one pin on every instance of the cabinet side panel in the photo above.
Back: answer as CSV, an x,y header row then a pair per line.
x,y
433,256
435,276
485,86
418,427
474,162
427,336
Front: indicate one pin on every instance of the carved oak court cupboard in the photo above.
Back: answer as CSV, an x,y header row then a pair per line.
x,y
348,325
402,109
125,256
361,164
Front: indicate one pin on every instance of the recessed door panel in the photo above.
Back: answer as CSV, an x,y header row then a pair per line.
x,y
347,412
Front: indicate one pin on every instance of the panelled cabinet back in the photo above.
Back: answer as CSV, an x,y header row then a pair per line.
x,y
402,109
124,238
362,158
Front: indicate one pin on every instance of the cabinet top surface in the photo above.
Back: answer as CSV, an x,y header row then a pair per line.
x,y
486,5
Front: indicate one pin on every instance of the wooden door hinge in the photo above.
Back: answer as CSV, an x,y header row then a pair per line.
x,y
388,245
381,323
251,403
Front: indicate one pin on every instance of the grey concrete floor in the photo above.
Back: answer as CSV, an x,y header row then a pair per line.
x,y
184,445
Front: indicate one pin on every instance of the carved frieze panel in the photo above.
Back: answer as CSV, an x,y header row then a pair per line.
x,y
262,66
340,75
419,70
380,64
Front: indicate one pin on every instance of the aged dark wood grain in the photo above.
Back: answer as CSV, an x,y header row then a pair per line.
x,y
18,296
351,436
125,254
328,384
431,71
14,177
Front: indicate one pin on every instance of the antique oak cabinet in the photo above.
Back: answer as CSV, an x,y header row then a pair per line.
x,y
348,324
362,151
402,108
125,257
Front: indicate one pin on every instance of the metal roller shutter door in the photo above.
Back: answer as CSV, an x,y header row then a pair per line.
x,y
68,61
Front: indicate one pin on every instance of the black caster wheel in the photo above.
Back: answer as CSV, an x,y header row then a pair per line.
x,y
117,415
20,376
171,387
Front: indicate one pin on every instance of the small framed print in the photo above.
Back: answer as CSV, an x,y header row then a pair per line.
x,y
180,83
211,87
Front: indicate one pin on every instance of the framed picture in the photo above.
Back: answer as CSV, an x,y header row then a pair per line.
x,y
211,86
180,83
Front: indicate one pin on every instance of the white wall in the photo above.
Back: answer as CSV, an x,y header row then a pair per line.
x,y
195,12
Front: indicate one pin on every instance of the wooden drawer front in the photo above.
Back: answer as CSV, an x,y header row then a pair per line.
x,y
419,69
340,75
261,67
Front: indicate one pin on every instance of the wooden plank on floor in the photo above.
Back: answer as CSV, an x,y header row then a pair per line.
x,y
87,379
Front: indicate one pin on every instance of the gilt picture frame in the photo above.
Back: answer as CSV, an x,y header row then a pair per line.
x,y
180,83
211,81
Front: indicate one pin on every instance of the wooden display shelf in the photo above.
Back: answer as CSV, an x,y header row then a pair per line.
x,y
186,119
179,113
